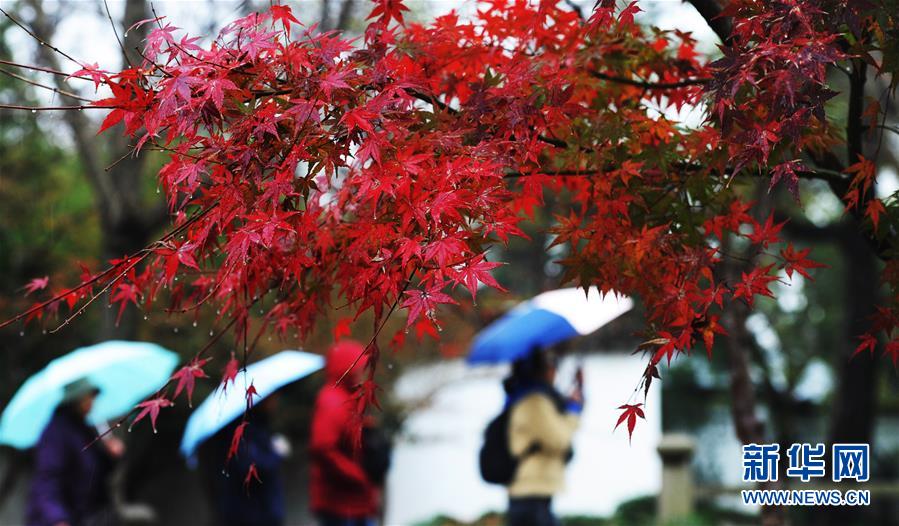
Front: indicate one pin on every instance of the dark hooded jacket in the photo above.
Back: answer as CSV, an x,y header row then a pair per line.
x,y
338,482
238,502
70,481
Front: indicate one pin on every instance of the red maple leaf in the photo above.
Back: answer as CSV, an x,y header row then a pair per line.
x,y
251,392
283,14
235,440
767,233
151,407
477,271
252,474
754,282
626,16
36,284
869,343
709,330
387,10
230,373
124,294
630,413
342,328
797,261
874,210
421,302
187,376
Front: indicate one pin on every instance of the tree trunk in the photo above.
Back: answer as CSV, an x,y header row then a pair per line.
x,y
855,399
748,427
127,222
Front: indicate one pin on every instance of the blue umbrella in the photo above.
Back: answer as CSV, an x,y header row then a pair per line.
x,y
125,372
225,405
544,320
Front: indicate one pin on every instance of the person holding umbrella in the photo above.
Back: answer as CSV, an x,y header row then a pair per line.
x,y
56,410
243,477
342,491
69,486
541,425
528,444
235,500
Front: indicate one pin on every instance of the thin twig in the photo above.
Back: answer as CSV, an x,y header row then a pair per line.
x,y
44,86
44,70
374,336
39,39
54,108
116,33
650,85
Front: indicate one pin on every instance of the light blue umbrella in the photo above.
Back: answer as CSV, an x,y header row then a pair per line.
x,y
125,372
544,320
224,405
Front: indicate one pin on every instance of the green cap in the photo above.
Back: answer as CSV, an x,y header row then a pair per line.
x,y
78,389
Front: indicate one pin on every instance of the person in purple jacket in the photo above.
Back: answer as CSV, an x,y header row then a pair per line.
x,y
69,486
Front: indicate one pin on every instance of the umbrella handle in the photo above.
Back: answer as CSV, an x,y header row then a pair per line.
x,y
102,428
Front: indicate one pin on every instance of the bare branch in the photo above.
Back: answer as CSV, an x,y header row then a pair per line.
x,y
649,85
711,12
44,86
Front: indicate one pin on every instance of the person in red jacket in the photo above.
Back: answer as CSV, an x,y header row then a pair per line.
x,y
341,492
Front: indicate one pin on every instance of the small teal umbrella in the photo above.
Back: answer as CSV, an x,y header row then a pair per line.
x,y
223,406
125,372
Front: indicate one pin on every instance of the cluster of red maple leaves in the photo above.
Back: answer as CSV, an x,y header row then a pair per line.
x,y
306,170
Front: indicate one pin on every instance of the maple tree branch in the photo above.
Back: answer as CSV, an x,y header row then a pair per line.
x,y
647,84
53,108
374,336
576,8
98,277
43,70
115,32
44,86
130,265
552,173
43,42
711,10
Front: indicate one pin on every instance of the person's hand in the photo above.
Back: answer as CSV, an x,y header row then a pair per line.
x,y
577,396
63,523
281,445
114,446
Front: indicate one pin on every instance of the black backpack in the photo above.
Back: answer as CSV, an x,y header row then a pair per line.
x,y
376,453
497,463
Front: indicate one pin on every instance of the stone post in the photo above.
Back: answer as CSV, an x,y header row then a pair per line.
x,y
676,501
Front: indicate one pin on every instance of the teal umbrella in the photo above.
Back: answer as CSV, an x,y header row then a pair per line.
x,y
224,406
125,372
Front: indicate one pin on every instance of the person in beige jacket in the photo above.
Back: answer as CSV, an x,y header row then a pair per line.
x,y
541,426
